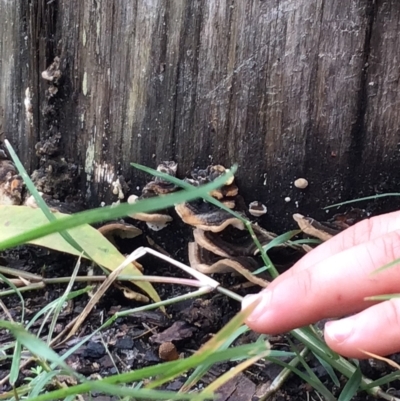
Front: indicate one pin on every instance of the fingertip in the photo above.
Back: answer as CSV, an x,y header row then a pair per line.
x,y
258,316
374,330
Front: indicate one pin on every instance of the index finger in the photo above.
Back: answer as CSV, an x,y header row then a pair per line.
x,y
364,231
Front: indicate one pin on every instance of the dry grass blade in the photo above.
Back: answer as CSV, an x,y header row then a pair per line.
x,y
99,293
6,311
393,364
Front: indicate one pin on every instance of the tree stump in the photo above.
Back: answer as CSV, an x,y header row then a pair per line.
x,y
286,89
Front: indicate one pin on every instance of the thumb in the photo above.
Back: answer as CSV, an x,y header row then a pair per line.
x,y
375,330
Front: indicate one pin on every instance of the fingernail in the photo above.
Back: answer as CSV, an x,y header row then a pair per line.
x,y
264,299
339,330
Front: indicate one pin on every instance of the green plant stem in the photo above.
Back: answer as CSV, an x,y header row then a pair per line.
x,y
372,197
338,362
280,379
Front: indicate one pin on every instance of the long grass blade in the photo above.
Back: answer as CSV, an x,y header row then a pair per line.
x,y
352,386
371,197
109,213
39,200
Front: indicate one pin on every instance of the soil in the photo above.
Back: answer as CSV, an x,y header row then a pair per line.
x,y
133,342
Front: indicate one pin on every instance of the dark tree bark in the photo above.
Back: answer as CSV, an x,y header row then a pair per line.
x,y
285,88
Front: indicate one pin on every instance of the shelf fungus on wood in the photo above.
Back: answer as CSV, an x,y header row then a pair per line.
x,y
119,229
208,263
221,243
257,209
204,215
158,186
207,216
326,230
232,242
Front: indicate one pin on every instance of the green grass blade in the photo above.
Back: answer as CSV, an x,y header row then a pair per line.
x,y
384,380
306,241
352,386
41,381
34,344
203,368
109,213
387,266
281,239
372,197
18,292
383,297
329,370
16,362
312,377
317,385
39,200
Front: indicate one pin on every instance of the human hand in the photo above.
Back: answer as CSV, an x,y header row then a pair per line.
x,y
332,281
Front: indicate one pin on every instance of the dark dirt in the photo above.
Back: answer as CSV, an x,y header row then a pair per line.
x,y
134,341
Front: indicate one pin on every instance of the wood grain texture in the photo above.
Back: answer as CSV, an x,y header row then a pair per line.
x,y
285,88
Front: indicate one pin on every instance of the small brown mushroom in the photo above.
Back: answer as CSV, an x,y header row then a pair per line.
x,y
155,221
301,183
257,209
168,352
119,229
161,186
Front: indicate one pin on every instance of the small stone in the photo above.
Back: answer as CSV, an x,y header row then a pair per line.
x,y
94,350
301,183
124,343
287,199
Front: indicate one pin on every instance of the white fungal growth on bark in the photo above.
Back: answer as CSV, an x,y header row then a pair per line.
x,y
28,105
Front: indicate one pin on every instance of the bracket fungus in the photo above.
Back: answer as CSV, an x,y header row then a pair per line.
x,y
119,229
156,221
327,229
221,242
257,209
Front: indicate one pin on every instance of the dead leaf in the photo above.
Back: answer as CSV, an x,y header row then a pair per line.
x,y
15,220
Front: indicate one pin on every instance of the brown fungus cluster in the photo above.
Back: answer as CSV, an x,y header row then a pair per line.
x,y
221,242
158,220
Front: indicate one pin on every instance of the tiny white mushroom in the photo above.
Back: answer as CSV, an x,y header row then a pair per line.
x,y
301,183
132,199
117,189
156,226
257,209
